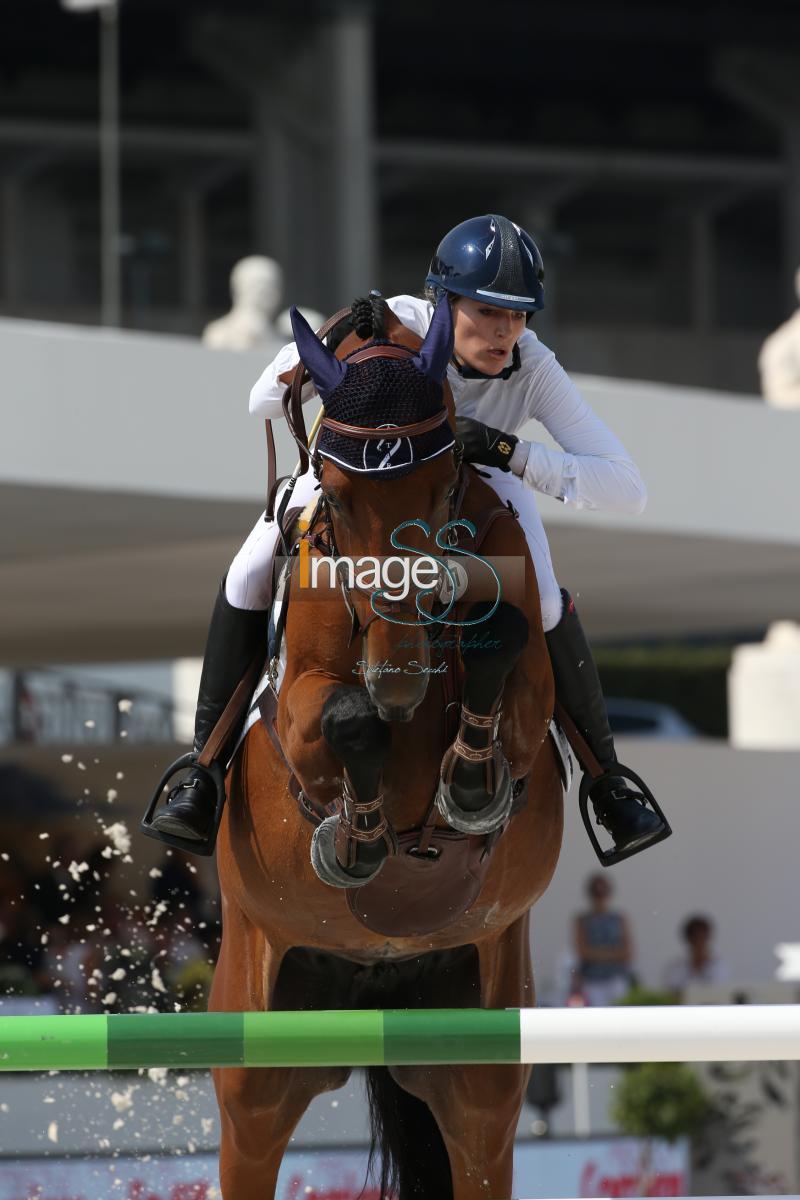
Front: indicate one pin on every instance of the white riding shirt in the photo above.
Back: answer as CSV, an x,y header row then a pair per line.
x,y
592,469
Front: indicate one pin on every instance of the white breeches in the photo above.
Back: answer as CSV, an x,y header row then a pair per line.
x,y
248,584
510,487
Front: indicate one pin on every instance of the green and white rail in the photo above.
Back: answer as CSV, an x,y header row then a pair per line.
x,y
403,1036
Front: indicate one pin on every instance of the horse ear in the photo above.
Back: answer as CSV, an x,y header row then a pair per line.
x,y
326,370
437,349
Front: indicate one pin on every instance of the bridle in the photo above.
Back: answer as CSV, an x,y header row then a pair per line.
x,y
326,539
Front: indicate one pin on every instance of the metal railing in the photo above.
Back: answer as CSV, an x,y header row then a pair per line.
x,y
44,707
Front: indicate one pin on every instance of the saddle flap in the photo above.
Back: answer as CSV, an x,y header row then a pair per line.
x,y
421,893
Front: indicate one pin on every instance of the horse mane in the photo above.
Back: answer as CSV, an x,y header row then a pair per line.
x,y
367,318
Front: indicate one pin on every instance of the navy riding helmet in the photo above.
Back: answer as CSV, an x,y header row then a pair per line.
x,y
491,259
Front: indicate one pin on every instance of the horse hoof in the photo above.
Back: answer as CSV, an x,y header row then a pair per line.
x,y
481,820
325,863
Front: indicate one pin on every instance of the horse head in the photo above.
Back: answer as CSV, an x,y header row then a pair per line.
x,y
387,465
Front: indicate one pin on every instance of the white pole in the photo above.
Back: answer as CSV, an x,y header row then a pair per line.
x,y
581,1117
685,1033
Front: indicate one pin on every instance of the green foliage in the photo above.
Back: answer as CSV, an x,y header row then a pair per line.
x,y
691,679
192,986
641,997
661,1100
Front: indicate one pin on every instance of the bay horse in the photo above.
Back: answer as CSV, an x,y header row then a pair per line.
x,y
365,735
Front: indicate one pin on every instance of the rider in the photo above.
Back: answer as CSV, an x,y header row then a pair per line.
x,y
501,376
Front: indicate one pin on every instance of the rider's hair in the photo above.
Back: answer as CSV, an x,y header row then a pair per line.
x,y
431,294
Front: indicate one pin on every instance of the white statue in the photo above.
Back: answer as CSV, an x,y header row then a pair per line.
x,y
283,322
256,290
764,691
779,362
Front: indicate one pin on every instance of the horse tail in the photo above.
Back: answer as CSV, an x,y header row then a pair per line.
x,y
413,1159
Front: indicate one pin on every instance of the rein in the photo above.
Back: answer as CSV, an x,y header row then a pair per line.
x,y
324,539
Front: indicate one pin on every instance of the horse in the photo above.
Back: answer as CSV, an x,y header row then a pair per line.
x,y
369,740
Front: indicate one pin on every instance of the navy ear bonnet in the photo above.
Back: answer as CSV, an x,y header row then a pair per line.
x,y
380,393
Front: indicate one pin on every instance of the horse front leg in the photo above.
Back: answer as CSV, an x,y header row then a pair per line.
x,y
337,742
259,1110
475,792
259,1107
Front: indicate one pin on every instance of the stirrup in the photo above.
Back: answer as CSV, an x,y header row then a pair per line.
x,y
204,847
608,858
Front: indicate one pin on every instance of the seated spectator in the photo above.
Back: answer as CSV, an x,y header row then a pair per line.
x,y
699,964
604,948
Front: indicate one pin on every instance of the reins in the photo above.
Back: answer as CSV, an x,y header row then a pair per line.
x,y
325,540
292,405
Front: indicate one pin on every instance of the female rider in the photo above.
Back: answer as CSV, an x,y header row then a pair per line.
x,y
501,376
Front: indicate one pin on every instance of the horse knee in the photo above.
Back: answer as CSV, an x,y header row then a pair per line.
x,y
498,640
351,726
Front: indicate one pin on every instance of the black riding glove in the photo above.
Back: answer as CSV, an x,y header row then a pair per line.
x,y
485,445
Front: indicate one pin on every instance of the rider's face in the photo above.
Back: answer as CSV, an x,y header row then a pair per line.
x,y
485,335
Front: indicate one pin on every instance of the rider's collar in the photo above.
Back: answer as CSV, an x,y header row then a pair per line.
x,y
467,372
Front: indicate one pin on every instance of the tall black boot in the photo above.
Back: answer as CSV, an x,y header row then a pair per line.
x,y
620,809
235,636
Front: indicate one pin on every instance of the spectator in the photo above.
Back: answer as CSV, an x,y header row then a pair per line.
x,y
603,946
699,964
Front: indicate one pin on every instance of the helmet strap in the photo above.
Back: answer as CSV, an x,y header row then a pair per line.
x,y
467,372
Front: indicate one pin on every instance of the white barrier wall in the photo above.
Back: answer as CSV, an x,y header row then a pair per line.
x,y
733,856
107,409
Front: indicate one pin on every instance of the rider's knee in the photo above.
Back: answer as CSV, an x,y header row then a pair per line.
x,y
249,580
551,601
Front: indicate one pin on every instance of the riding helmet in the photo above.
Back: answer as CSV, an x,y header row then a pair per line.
x,y
490,258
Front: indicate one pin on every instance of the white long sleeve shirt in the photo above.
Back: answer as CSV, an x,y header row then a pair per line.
x,y
592,469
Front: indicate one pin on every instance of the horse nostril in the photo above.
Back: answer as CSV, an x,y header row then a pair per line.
x,y
396,712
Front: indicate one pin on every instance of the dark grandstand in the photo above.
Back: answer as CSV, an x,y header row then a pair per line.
x,y
653,149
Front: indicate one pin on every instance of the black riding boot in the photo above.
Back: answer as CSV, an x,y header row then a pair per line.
x,y
622,810
235,636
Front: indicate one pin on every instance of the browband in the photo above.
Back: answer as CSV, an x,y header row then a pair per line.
x,y
366,432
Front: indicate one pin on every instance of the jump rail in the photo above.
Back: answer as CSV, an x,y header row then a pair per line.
x,y
705,1033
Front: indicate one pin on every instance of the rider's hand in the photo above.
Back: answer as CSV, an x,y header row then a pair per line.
x,y
482,444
